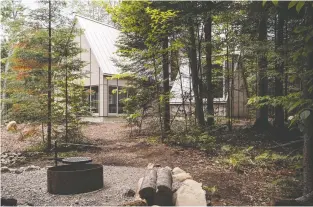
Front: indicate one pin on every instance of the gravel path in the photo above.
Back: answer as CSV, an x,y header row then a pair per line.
x,y
30,188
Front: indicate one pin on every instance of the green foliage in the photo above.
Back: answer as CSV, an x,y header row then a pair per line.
x,y
248,157
153,140
26,79
211,190
40,147
195,138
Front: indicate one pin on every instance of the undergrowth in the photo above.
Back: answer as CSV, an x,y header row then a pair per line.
x,y
240,157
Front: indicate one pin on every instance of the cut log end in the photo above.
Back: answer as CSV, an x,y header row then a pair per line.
x,y
148,187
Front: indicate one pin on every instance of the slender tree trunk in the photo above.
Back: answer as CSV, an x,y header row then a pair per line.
x,y
158,96
49,124
208,57
166,87
279,88
4,108
262,113
307,94
195,76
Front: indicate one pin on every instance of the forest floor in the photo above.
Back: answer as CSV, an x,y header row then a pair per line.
x,y
232,173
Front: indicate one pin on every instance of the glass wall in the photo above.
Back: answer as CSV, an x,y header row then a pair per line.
x,y
116,95
112,99
93,98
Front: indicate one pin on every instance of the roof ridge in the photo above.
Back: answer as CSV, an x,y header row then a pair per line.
x,y
96,21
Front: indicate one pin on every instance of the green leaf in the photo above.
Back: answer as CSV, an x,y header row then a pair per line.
x,y
299,5
305,114
264,2
292,4
275,2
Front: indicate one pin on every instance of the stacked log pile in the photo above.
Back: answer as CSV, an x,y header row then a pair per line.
x,y
167,187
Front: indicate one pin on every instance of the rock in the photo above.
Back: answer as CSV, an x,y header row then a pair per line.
x,y
128,192
177,170
157,165
12,126
175,186
139,202
167,167
150,166
181,177
12,170
190,194
76,202
5,169
32,167
18,171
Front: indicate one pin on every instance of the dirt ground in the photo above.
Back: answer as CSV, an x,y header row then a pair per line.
x,y
117,148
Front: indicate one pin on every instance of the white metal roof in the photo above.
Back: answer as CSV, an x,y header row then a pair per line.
x,y
101,39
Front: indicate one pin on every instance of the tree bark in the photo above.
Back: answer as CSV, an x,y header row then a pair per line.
x,y
262,113
195,76
4,84
164,188
279,88
166,87
307,94
49,123
208,57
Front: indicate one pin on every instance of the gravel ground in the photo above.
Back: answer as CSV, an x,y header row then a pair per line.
x,y
30,188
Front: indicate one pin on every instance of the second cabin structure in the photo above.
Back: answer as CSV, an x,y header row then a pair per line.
x,y
98,42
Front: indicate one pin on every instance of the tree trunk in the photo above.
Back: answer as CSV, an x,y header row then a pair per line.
x,y
208,57
307,94
49,124
166,87
195,76
279,88
262,113
4,108
308,154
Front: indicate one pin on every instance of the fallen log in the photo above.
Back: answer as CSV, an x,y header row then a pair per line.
x,y
164,181
148,186
306,200
286,144
164,192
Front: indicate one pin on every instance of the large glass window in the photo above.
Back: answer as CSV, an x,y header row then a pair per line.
x,y
112,99
93,98
115,99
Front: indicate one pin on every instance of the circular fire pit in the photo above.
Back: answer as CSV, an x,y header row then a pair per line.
x,y
72,179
